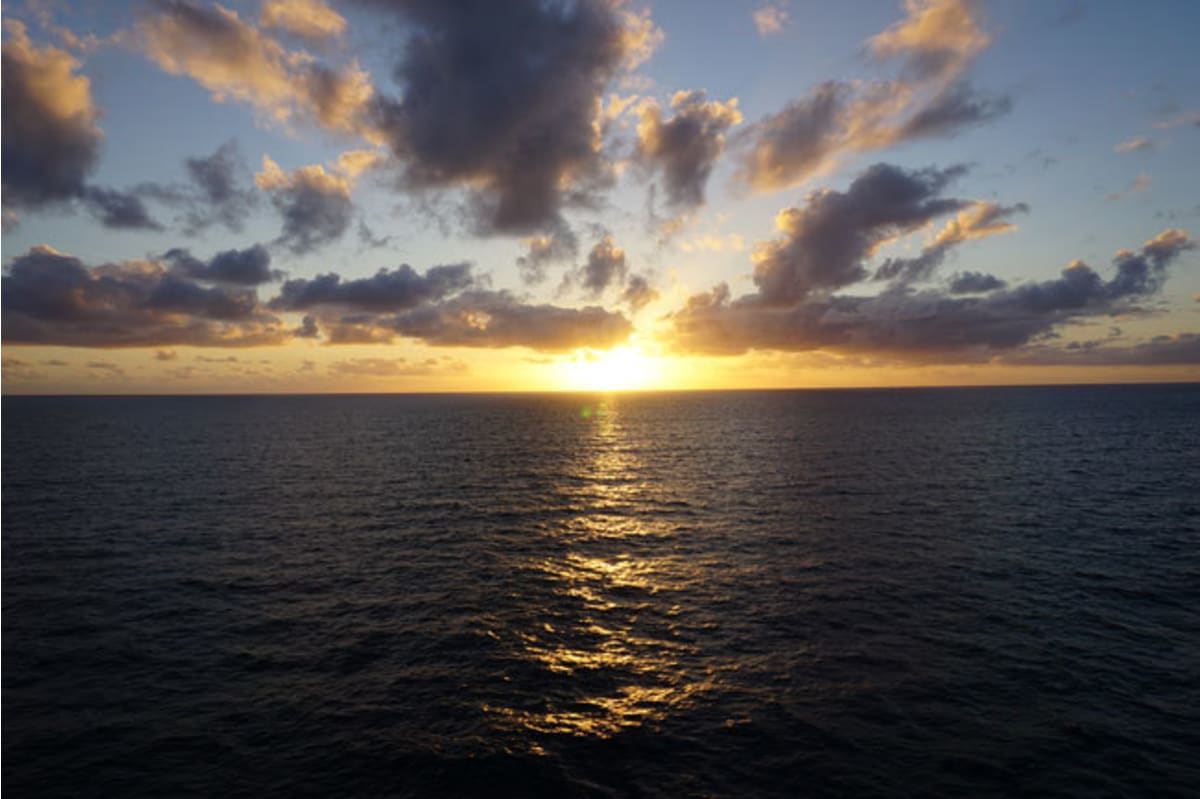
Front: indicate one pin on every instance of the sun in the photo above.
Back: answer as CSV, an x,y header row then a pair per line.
x,y
620,369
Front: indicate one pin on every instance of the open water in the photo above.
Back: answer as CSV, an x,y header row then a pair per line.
x,y
954,592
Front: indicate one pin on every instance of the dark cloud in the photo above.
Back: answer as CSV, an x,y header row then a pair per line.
x,y
315,204
51,137
638,293
116,209
248,267
51,140
824,244
503,99
975,283
498,319
685,146
977,220
927,323
308,328
1181,349
219,196
560,244
958,108
368,238
605,266
52,298
398,289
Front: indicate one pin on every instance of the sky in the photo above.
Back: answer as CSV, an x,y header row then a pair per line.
x,y
428,195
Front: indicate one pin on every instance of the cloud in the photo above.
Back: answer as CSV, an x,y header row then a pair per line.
x,y
976,221
685,147
555,246
314,203
937,40
52,137
396,367
1189,119
934,46
974,283
220,198
824,244
638,293
498,319
1134,145
117,209
311,20
441,307
248,267
1176,349
824,247
234,60
1139,185
770,19
605,266
52,298
105,368
505,102
394,290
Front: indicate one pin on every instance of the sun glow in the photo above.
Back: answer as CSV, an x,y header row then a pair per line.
x,y
620,369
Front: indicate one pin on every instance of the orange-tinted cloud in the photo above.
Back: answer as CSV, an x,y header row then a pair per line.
x,y
236,61
934,45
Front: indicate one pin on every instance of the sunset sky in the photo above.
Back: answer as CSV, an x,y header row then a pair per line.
x,y
417,195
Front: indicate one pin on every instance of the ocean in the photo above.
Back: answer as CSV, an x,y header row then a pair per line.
x,y
875,593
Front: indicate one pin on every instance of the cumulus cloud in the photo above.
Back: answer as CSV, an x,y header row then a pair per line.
x,y
311,20
235,60
505,101
685,146
52,298
605,266
52,137
823,249
118,209
220,196
974,283
498,319
248,267
976,221
934,46
442,307
824,244
638,293
560,244
314,203
387,290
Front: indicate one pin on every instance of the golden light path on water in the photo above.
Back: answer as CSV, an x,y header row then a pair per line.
x,y
624,630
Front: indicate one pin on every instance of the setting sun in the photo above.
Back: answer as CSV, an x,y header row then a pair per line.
x,y
619,369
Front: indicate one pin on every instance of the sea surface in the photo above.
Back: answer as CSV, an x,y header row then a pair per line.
x,y
951,592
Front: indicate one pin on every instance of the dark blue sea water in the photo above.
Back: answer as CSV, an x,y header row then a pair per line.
x,y
959,592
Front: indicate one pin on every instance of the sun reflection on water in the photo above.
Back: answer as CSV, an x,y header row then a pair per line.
x,y
618,660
